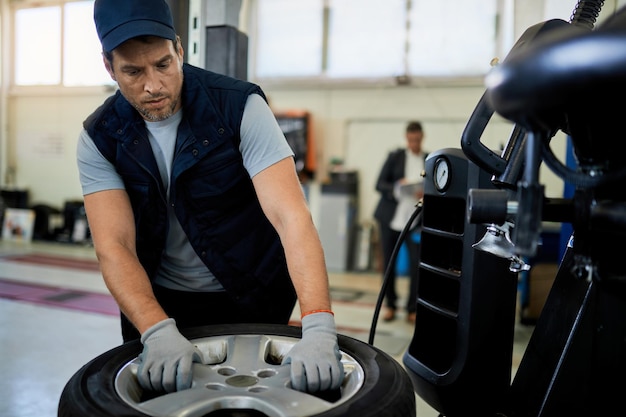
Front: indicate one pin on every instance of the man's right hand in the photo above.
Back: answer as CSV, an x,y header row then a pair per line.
x,y
167,358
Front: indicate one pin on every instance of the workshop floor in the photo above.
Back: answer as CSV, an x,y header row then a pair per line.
x,y
56,315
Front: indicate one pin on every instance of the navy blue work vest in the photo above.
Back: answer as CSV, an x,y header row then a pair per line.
x,y
212,193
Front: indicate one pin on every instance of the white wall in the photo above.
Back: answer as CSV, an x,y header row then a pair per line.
x,y
42,133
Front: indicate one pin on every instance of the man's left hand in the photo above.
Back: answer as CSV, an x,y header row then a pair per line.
x,y
315,360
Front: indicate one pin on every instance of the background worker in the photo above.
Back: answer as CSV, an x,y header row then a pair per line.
x,y
400,187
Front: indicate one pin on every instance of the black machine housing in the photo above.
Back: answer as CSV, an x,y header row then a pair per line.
x,y
560,76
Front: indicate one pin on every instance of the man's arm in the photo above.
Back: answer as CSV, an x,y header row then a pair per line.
x,y
283,202
112,228
167,356
316,359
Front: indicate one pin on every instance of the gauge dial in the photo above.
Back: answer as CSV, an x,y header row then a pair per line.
x,y
442,174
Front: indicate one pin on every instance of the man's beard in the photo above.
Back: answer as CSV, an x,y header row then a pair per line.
x,y
154,116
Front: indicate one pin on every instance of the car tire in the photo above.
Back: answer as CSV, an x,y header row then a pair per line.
x,y
384,389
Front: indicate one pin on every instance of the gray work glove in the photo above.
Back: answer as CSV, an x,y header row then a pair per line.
x,y
165,363
315,360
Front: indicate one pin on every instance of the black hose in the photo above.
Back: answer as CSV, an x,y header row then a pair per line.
x,y
392,261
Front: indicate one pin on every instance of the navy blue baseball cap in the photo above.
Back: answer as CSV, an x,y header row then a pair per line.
x,y
120,20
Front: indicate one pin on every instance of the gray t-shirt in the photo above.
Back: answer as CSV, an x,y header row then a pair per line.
x,y
262,145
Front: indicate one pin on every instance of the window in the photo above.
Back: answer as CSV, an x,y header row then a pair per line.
x,y
451,38
82,51
56,42
289,38
58,45
38,47
365,39
373,39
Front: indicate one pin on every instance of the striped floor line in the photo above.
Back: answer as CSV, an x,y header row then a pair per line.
x,y
52,260
59,297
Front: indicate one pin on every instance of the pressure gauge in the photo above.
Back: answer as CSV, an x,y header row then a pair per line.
x,y
442,174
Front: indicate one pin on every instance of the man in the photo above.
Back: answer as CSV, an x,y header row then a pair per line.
x,y
194,205
401,173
